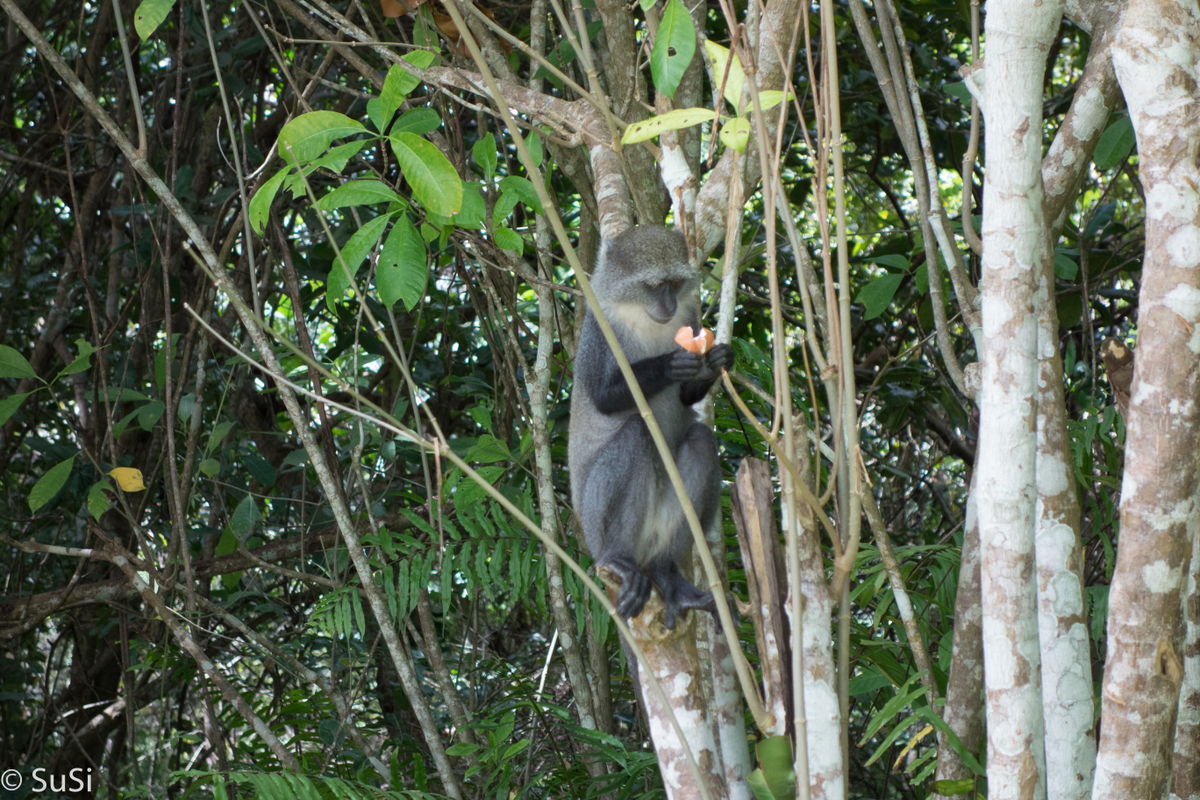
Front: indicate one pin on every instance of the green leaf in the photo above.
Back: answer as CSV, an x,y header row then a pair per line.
x,y
10,404
160,361
210,467
509,239
260,204
893,261
402,269
958,90
877,295
418,121
674,47
149,414
736,133
261,469
48,485
244,516
670,121
433,179
353,254
1065,267
968,758
777,765
723,60
484,152
219,432
513,749
82,361
404,81
473,209
337,157
309,135
1115,143
396,86
758,785
488,450
462,749
97,500
534,142
149,15
375,113
523,188
769,98
952,788
13,364
359,193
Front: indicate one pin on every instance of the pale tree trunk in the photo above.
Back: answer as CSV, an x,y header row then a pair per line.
x,y
1185,784
1018,36
823,718
1067,703
1155,56
964,688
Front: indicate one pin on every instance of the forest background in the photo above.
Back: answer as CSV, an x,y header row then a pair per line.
x,y
291,293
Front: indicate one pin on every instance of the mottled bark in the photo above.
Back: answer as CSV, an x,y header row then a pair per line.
x,y
1185,784
823,717
964,687
1018,38
1155,55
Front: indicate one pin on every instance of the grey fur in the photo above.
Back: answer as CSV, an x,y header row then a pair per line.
x,y
632,520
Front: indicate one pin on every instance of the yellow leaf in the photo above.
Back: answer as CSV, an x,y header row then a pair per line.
x,y
722,59
928,729
128,478
736,133
671,121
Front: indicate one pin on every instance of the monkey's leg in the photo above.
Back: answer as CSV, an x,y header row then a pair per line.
x,y
615,502
697,461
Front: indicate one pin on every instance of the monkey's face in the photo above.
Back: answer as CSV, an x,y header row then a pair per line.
x,y
662,301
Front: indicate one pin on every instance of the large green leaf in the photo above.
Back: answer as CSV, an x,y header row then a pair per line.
x,y
353,254
418,121
48,485
433,179
524,189
260,204
877,295
309,135
10,404
359,193
674,47
13,364
402,270
149,15
245,516
1115,143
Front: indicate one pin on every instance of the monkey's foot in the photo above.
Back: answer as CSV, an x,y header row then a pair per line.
x,y
635,586
679,595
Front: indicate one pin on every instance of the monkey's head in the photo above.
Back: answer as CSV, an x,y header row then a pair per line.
x,y
646,266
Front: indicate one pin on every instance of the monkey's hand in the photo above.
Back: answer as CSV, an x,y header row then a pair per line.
x,y
719,358
685,367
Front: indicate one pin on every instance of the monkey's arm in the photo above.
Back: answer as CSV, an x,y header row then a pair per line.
x,y
611,393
